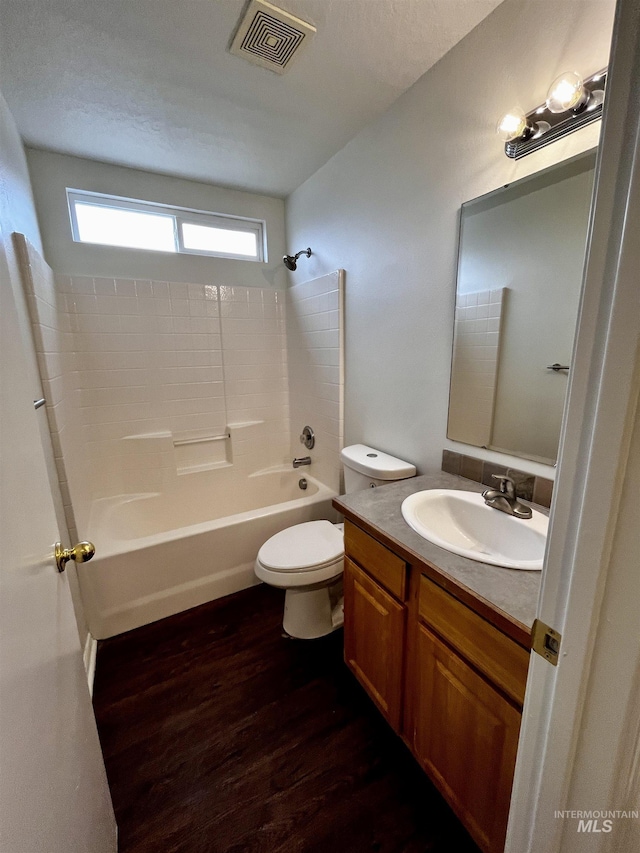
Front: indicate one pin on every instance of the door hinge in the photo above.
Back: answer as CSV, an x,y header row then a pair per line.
x,y
546,641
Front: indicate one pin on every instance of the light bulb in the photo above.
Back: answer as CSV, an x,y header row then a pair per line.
x,y
512,125
567,92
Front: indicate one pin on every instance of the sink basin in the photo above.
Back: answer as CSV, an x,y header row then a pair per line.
x,y
461,522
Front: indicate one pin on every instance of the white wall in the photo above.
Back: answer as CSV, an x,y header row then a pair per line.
x,y
52,173
386,208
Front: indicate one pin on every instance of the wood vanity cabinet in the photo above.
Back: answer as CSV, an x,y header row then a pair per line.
x,y
375,620
449,681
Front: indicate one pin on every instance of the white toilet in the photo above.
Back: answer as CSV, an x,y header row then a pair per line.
x,y
307,559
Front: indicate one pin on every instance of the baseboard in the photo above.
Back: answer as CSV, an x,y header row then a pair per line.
x,y
89,659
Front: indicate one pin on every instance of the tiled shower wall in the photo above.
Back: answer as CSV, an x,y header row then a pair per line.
x,y
474,369
315,337
54,344
168,362
147,379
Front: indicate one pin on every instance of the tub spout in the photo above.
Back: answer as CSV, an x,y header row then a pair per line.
x,y
303,460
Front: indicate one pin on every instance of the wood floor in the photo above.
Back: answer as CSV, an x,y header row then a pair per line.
x,y
220,736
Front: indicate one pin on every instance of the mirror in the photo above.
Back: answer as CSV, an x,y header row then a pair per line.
x,y
520,262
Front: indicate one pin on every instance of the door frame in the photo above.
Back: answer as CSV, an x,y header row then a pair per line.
x,y
594,453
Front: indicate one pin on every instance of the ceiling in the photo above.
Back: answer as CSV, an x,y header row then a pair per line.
x,y
151,84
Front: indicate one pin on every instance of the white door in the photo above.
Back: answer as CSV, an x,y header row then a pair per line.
x,y
53,788
577,781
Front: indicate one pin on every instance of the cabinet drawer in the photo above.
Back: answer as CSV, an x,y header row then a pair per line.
x,y
497,656
383,565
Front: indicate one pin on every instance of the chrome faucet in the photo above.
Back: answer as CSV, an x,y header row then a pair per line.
x,y
505,499
303,460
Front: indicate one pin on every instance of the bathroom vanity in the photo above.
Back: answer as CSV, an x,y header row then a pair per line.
x,y
441,644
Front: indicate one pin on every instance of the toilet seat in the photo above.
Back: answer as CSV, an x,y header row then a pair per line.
x,y
303,548
302,556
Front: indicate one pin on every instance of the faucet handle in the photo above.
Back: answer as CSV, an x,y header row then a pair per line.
x,y
507,486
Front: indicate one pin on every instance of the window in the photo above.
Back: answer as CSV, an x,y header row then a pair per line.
x,y
112,221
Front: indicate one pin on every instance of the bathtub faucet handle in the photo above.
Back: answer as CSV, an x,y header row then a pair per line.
x,y
303,460
308,438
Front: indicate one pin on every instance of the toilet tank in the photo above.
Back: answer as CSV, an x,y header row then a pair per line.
x,y
365,467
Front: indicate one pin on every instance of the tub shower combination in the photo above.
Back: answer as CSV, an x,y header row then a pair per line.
x,y
180,487
160,553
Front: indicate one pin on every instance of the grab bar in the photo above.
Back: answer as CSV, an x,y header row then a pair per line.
x,y
556,367
182,441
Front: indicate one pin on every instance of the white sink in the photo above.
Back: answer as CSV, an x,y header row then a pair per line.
x,y
461,522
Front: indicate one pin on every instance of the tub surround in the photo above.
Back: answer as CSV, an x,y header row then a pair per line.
x,y
507,598
315,357
169,408
53,343
163,357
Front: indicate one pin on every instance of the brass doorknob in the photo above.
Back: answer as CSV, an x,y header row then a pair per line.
x,y
82,553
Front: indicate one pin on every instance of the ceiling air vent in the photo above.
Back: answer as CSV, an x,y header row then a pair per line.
x,y
270,37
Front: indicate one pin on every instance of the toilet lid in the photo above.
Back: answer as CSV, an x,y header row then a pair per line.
x,y
303,546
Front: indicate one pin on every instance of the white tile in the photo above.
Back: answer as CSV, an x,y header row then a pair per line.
x,y
179,307
181,325
178,290
160,289
104,286
125,287
162,306
234,308
82,285
127,305
86,303
195,291
144,289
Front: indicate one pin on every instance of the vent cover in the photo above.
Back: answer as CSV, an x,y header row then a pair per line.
x,y
270,37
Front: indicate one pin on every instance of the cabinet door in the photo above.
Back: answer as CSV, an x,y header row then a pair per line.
x,y
466,736
374,640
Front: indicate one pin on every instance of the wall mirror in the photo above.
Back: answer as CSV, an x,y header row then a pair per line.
x,y
520,262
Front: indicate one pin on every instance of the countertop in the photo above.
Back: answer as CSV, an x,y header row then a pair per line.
x,y
507,597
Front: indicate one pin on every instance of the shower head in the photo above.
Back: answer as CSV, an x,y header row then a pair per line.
x,y
291,261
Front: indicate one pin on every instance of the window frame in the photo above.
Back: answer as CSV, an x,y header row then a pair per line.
x,y
181,215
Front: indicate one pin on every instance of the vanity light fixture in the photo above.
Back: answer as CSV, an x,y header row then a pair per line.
x,y
571,103
515,125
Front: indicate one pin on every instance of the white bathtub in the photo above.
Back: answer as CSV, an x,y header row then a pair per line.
x,y
161,553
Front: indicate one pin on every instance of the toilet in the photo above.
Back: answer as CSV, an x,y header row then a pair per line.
x,y
307,559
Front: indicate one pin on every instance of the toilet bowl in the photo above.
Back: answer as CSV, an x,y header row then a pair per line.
x,y
307,559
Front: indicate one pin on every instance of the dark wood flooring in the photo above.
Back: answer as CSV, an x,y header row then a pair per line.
x,y
220,736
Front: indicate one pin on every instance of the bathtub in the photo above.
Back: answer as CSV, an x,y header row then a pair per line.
x,y
160,553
